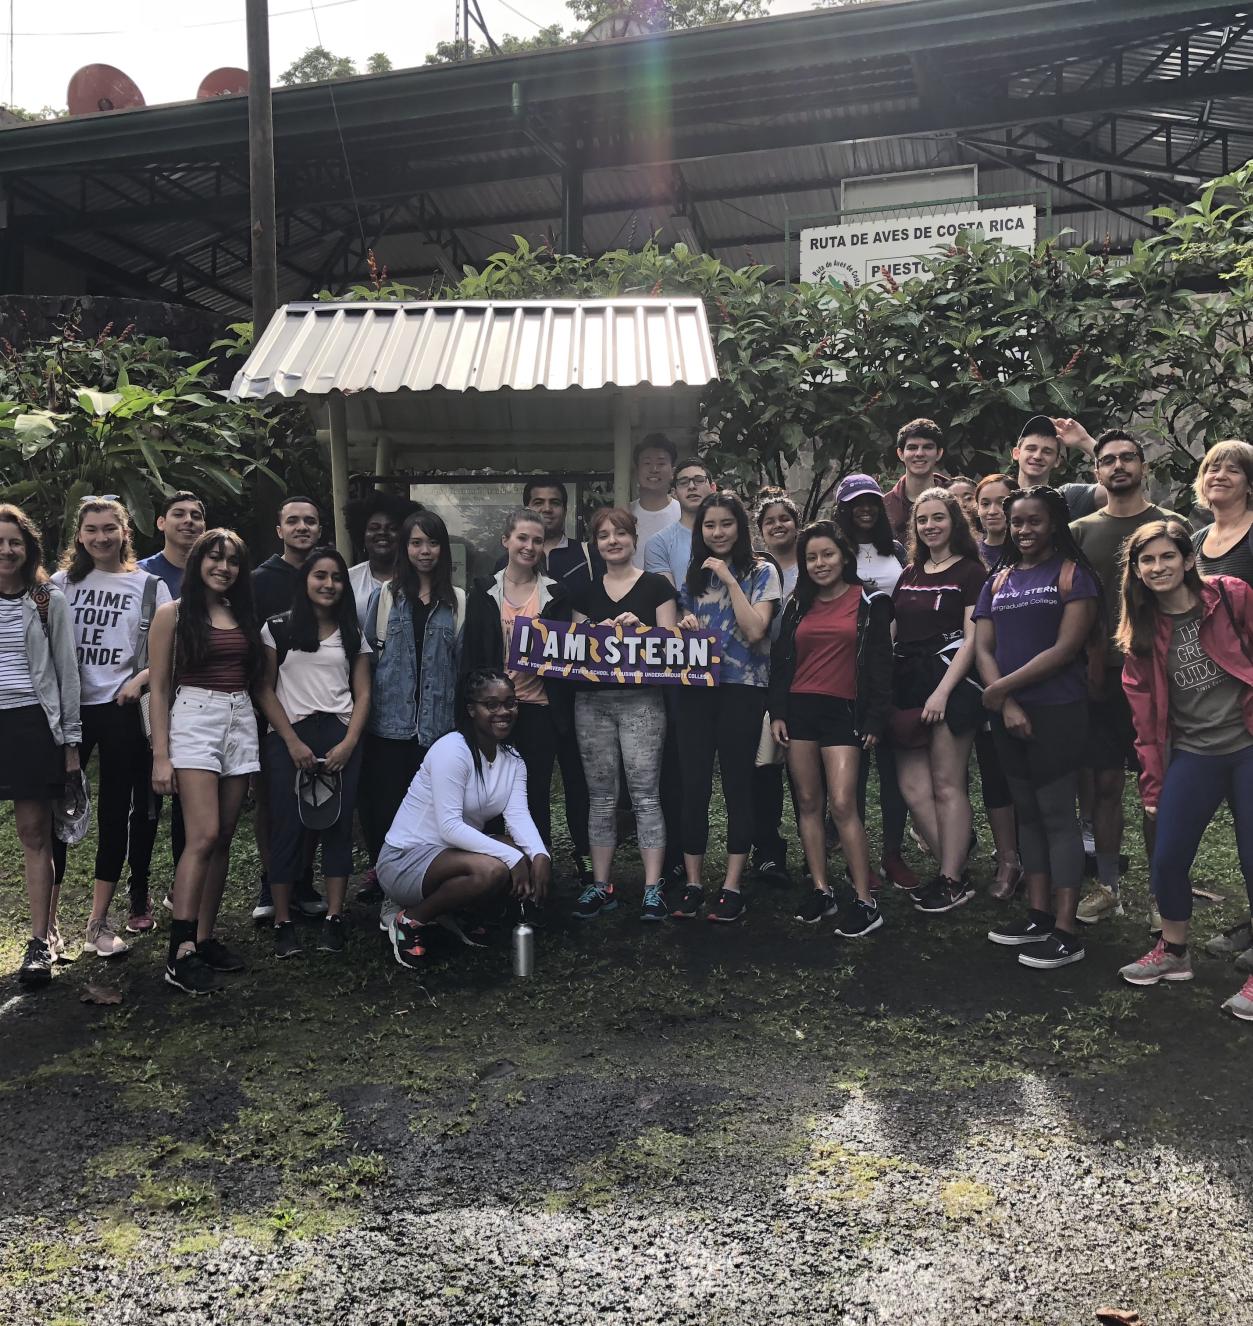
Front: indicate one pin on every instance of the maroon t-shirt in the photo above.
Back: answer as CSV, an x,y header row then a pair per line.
x,y
826,648
935,604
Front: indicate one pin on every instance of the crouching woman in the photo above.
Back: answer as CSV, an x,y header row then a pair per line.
x,y
437,860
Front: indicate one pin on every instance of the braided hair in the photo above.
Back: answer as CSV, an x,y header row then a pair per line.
x,y
472,689
1059,518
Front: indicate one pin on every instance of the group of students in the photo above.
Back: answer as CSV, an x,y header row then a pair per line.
x,y
1063,635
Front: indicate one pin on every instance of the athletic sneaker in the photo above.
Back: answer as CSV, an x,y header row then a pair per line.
x,y
1243,963
815,905
1158,964
862,918
1099,904
582,872
654,908
943,895
1058,950
36,968
1015,933
286,942
474,937
56,945
168,902
191,976
331,938
1089,839
102,940
594,901
139,923
689,903
308,901
772,868
215,955
264,910
371,890
1235,939
408,942
1241,1003
896,869
728,906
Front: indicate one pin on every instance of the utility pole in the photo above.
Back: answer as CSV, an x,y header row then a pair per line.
x,y
261,169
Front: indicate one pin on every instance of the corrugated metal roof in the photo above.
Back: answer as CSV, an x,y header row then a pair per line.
x,y
314,348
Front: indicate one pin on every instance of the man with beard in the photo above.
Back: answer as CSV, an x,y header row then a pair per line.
x,y
1121,468
571,563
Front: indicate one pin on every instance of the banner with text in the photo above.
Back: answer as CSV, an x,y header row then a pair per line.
x,y
862,251
626,655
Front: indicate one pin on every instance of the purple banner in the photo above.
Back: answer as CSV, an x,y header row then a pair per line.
x,y
625,655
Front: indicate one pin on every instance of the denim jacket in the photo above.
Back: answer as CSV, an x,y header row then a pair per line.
x,y
396,711
53,666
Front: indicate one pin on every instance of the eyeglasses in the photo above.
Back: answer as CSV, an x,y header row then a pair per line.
x,y
691,481
495,706
1125,457
99,497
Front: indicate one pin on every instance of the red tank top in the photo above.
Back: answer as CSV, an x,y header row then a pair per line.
x,y
226,668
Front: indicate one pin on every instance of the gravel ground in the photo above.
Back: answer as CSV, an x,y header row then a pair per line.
x,y
668,1125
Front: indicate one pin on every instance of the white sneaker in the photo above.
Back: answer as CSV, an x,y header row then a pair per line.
x,y
102,940
263,912
1099,904
1089,839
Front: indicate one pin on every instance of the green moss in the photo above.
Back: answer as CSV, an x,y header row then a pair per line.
x,y
963,1199
836,1173
119,1239
194,1244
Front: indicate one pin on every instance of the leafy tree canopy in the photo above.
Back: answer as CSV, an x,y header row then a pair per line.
x,y
317,64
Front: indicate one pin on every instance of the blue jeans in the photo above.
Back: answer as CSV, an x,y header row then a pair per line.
x,y
1192,791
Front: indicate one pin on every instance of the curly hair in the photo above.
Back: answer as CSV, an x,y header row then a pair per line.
x,y
961,541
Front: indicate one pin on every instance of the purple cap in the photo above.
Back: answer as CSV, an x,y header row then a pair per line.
x,y
856,485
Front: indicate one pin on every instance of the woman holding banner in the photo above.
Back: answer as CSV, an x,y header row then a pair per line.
x,y
544,706
621,723
731,593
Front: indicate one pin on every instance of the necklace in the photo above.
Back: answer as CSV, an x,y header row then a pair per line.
x,y
936,567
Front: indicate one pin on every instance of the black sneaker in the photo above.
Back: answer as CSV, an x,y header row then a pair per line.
x,y
862,918
308,901
409,941
36,968
1058,950
286,941
772,868
1030,931
728,906
654,908
815,905
331,940
217,957
191,975
943,895
582,872
595,900
264,910
689,902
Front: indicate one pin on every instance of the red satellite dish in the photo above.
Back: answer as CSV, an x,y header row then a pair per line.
x,y
100,87
224,82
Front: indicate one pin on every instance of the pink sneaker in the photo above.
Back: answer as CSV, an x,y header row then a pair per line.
x,y
139,923
1241,1004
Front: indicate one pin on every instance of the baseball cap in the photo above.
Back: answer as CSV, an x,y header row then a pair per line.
x,y
1039,425
318,796
71,812
856,485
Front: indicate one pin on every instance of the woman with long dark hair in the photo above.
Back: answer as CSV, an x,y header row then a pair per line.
x,y
413,626
830,695
40,728
438,860
937,706
622,725
112,603
861,515
733,594
206,656
1188,674
1033,622
315,692
545,706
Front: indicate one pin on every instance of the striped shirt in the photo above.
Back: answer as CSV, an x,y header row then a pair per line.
x,y
17,690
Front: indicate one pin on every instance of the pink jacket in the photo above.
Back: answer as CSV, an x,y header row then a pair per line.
x,y
1148,692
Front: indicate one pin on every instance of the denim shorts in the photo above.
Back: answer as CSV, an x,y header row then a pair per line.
x,y
215,731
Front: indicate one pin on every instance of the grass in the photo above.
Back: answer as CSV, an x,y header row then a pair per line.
x,y
252,1091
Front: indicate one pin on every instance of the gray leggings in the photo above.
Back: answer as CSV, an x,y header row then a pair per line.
x,y
631,723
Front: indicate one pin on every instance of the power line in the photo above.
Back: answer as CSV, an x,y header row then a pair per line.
x,y
210,23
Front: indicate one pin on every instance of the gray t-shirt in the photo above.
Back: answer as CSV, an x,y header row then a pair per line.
x,y
1206,717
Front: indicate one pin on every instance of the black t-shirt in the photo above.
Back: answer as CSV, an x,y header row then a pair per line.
x,y
644,597
420,612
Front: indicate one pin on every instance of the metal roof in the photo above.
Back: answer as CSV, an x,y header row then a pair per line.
x,y
311,349
1113,107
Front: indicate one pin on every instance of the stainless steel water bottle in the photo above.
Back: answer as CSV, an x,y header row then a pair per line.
x,y
523,948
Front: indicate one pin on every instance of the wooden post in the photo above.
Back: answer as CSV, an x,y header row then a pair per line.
x,y
337,409
382,462
261,169
621,449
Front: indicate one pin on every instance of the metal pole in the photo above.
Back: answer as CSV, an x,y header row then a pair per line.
x,y
572,209
621,417
261,169
338,419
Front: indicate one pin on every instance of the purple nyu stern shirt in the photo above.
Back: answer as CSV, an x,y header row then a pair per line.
x,y
1027,615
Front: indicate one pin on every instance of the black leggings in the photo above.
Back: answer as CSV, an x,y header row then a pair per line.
x,y
541,746
892,806
992,780
125,807
722,721
387,768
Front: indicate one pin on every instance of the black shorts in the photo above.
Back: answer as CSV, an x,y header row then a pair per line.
x,y
33,766
1111,742
826,719
1054,749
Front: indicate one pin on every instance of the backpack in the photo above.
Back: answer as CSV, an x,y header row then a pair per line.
x,y
1094,645
42,598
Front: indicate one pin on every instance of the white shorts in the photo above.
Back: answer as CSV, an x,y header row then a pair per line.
x,y
215,731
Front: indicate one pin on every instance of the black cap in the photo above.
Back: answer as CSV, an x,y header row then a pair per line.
x,y
1039,425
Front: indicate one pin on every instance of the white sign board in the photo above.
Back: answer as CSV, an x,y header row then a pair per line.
x,y
862,251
